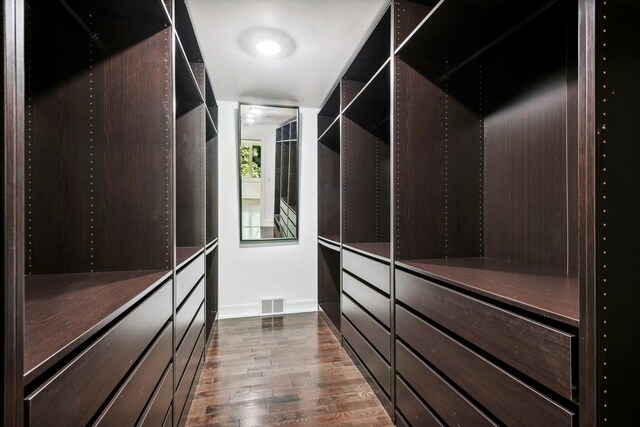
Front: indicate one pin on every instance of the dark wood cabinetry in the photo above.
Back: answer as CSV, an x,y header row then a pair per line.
x,y
286,193
113,198
493,149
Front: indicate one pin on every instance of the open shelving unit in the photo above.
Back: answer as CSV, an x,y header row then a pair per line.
x,y
286,180
329,184
499,153
366,166
95,173
114,148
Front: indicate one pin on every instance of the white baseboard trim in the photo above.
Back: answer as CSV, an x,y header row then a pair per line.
x,y
250,310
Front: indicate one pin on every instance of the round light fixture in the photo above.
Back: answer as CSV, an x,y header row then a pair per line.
x,y
267,43
255,111
251,121
250,116
268,47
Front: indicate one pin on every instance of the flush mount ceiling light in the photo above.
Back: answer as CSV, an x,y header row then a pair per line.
x,y
251,121
268,47
255,111
267,43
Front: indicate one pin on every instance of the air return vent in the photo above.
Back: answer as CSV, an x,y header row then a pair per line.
x,y
271,305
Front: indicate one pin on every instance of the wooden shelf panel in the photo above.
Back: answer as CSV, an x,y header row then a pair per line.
x,y
373,53
331,238
329,111
553,297
188,94
186,253
371,108
63,310
456,30
380,250
185,30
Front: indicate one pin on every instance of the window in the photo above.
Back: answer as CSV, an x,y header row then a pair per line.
x,y
250,159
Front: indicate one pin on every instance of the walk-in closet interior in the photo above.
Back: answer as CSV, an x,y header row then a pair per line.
x,y
453,200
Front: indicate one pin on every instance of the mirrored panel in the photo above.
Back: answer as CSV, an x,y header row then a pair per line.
x,y
268,172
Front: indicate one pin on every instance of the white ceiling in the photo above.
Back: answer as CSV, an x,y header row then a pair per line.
x,y
327,35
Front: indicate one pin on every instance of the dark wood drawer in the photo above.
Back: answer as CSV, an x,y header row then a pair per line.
x,y
185,314
416,413
86,382
168,419
374,302
371,359
451,406
537,350
182,393
188,277
373,331
129,402
508,398
190,338
157,408
367,269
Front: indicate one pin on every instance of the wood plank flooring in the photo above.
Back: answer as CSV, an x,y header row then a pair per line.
x,y
285,370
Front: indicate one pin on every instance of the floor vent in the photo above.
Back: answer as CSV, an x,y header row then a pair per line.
x,y
271,305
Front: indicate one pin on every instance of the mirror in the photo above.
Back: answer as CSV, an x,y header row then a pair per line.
x,y
268,172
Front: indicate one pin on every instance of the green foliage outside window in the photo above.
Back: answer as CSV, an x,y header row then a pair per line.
x,y
251,161
257,161
244,160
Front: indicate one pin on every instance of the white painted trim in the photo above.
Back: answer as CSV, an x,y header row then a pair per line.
x,y
251,310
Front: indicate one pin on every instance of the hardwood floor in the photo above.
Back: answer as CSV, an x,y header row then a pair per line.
x,y
269,371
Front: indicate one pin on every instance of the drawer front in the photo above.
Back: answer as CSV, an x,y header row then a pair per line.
x,y
370,328
283,215
184,350
508,398
156,410
373,272
168,419
416,413
291,225
182,393
539,351
451,406
86,382
130,400
376,304
185,314
293,216
372,360
188,277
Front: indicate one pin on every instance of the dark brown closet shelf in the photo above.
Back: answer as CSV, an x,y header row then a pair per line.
x,y
212,130
553,297
63,310
188,92
379,250
186,253
451,33
331,238
212,242
377,78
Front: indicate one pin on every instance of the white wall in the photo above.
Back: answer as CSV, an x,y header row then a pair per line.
x,y
248,272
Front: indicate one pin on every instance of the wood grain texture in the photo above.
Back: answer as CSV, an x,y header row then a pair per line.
x,y
188,277
506,397
374,363
372,330
281,370
329,182
553,297
159,403
329,284
62,311
181,396
212,190
407,15
129,402
446,401
416,412
373,53
544,353
365,198
83,388
367,269
373,301
190,178
211,292
184,350
188,310
617,229
99,147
